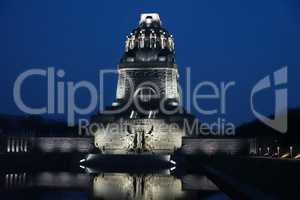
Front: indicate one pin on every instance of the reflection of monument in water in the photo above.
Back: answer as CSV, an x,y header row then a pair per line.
x,y
126,186
109,185
146,117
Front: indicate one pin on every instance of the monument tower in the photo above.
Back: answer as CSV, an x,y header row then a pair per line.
x,y
146,117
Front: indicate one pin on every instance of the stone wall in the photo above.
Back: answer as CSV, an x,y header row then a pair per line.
x,y
46,144
213,146
206,146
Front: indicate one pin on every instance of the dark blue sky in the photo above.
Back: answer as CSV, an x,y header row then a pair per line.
x,y
220,40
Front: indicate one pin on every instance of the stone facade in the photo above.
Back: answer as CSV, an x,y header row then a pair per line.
x,y
139,135
164,79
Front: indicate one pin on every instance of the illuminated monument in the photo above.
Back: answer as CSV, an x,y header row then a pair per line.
x,y
146,117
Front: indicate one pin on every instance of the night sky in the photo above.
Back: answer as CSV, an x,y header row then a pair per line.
x,y
240,41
